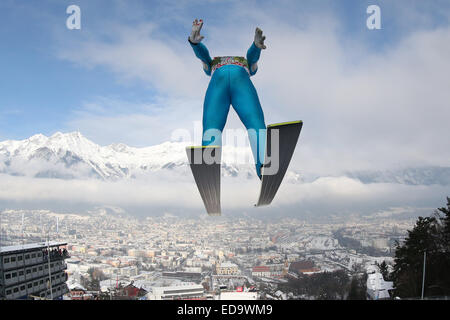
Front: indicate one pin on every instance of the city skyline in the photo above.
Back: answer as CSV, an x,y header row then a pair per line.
x,y
155,252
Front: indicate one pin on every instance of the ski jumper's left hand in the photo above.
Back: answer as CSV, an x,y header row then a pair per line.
x,y
259,39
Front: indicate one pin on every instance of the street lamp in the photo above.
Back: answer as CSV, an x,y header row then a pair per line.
x,y
423,275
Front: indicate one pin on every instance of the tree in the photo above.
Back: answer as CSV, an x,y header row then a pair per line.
x,y
357,268
323,286
384,270
353,293
445,226
408,267
430,235
96,274
441,285
354,290
358,288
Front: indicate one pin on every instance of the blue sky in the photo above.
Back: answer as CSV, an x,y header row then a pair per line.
x,y
54,79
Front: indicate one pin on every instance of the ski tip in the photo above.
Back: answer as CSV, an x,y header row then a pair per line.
x,y
284,123
202,147
258,205
214,214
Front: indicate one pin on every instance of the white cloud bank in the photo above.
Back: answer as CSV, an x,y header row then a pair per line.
x,y
171,192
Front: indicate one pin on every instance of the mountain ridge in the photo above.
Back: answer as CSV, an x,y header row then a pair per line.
x,y
73,156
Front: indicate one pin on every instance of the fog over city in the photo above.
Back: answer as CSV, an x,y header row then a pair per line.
x,y
69,173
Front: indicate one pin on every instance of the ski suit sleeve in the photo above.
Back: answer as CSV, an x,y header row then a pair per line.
x,y
253,55
202,53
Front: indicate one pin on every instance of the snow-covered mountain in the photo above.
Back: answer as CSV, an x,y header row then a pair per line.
x,y
409,176
73,156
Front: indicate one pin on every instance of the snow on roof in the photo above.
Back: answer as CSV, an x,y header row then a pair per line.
x,y
30,246
375,281
111,284
238,296
181,286
227,265
76,286
143,284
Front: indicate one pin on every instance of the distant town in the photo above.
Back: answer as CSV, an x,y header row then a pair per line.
x,y
117,256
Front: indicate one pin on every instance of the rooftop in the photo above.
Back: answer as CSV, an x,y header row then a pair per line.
x,y
375,281
227,265
30,247
261,269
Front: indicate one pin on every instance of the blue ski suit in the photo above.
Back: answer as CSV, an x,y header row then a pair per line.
x,y
230,84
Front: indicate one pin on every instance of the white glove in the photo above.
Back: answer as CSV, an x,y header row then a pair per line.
x,y
195,36
259,39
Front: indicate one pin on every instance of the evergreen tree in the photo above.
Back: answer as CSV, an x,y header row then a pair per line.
x,y
354,290
384,270
446,226
430,235
358,288
441,285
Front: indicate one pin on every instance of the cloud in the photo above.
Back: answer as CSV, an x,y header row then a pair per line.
x,y
178,194
159,191
385,109
363,106
111,120
141,53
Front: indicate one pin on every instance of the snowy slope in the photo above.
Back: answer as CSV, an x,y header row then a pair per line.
x,y
73,156
409,176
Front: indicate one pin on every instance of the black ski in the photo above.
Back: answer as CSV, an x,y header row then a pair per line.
x,y
281,140
205,166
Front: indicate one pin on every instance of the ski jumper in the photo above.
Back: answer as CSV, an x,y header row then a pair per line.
x,y
230,84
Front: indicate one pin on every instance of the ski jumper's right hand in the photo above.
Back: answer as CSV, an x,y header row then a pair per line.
x,y
195,36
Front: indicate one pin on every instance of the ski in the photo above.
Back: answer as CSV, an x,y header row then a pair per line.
x,y
205,165
281,142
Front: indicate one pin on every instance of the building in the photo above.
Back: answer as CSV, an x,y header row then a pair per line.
x,y
270,270
78,292
111,284
130,271
261,271
227,268
377,288
184,275
238,295
185,291
33,271
303,267
381,243
130,292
